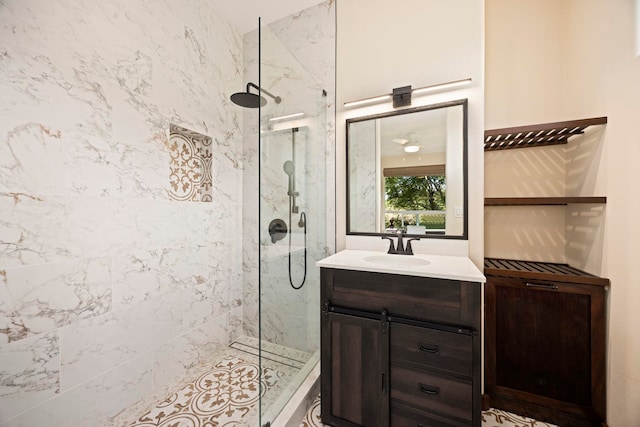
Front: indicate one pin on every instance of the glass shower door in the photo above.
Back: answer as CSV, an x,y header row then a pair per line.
x,y
292,221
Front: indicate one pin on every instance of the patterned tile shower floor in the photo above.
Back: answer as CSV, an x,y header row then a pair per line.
x,y
222,396
224,393
490,418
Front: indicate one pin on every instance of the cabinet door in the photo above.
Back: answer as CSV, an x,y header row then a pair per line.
x,y
545,348
354,371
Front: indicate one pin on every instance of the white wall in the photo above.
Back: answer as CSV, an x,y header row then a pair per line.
x,y
382,45
596,72
108,288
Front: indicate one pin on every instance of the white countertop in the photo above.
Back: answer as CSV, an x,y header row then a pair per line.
x,y
440,266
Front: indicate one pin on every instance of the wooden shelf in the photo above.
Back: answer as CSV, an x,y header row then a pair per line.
x,y
537,135
541,201
535,270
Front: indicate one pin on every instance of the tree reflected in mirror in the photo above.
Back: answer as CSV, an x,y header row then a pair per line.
x,y
415,200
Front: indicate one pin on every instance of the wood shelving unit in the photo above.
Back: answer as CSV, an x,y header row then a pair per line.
x,y
537,135
534,270
545,339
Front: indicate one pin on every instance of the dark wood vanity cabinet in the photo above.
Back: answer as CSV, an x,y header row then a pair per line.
x,y
545,342
399,350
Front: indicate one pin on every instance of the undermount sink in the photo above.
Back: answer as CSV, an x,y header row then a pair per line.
x,y
397,260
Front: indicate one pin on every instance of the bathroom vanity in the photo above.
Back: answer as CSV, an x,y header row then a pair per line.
x,y
401,342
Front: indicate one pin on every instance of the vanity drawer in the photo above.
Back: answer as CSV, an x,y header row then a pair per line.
x,y
402,416
442,394
445,351
422,298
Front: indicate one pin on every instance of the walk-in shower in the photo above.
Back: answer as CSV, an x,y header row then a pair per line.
x,y
285,231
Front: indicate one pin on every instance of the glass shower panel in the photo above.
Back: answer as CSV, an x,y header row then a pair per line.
x,y
293,221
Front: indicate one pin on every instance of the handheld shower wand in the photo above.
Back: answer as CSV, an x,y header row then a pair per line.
x,y
290,168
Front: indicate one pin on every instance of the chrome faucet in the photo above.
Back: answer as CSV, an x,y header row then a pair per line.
x,y
399,249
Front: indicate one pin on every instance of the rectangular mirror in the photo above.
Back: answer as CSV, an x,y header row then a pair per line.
x,y
408,169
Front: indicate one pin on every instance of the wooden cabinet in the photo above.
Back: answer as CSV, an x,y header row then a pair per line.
x,y
357,348
544,322
399,350
545,342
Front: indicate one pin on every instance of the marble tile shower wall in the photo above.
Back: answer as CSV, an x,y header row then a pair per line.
x,y
362,177
107,286
298,61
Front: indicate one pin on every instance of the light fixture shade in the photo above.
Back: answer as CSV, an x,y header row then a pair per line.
x,y
411,149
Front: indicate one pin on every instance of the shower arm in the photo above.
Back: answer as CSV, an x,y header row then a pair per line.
x,y
275,98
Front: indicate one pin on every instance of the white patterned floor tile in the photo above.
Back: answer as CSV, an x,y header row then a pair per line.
x,y
491,418
497,418
221,396
225,392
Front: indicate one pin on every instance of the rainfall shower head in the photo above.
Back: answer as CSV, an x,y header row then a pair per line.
x,y
248,100
252,100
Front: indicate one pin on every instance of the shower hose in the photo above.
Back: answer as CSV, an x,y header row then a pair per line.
x,y
301,223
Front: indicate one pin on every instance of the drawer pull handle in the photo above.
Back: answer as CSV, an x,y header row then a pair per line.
x,y
429,348
429,389
541,285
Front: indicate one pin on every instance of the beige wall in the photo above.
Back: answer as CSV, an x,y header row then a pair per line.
x,y
382,45
523,85
583,64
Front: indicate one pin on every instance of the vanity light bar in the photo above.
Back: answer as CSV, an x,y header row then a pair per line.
x,y
417,91
441,86
287,117
365,101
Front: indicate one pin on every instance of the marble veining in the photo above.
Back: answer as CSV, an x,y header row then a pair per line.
x,y
29,373
363,179
106,284
114,287
42,298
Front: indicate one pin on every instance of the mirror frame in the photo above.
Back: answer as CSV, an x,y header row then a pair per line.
x,y
465,180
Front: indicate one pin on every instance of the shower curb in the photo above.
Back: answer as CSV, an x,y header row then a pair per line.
x,y
295,410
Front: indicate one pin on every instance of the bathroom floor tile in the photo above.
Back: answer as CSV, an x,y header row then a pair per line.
x,y
225,391
221,396
312,418
491,418
497,418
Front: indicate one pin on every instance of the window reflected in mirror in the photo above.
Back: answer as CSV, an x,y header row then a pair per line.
x,y
407,170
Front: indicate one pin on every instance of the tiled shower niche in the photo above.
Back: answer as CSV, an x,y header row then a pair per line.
x,y
190,168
